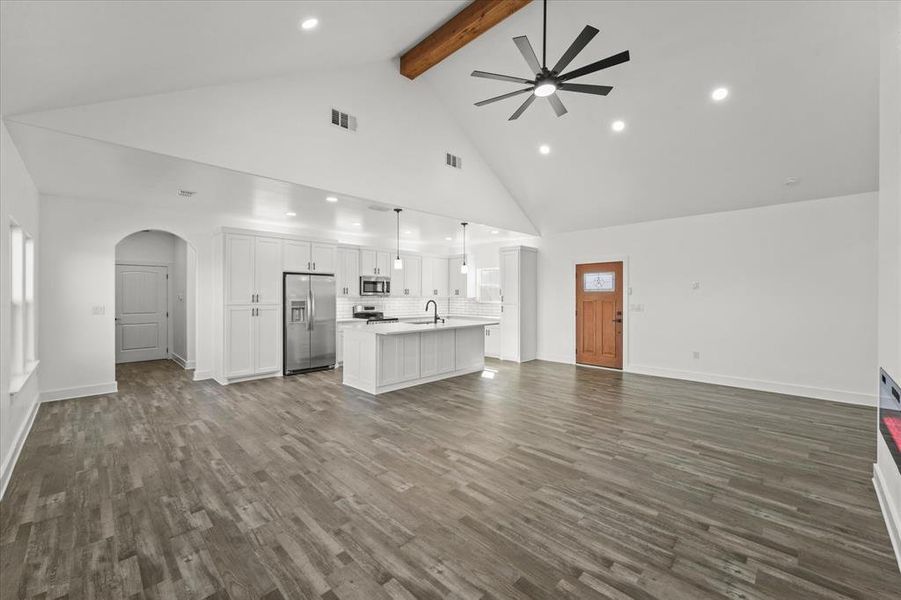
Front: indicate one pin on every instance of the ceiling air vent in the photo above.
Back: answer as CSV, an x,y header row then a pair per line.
x,y
453,161
186,193
344,120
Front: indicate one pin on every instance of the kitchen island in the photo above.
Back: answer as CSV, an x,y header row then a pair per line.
x,y
383,357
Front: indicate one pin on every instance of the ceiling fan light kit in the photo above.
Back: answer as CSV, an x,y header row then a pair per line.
x,y
548,82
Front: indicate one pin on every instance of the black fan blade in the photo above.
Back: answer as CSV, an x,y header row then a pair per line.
x,y
522,108
610,61
485,75
504,96
578,44
522,42
557,105
600,90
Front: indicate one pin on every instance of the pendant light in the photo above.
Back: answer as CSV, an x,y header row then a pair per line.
x,y
398,263
463,268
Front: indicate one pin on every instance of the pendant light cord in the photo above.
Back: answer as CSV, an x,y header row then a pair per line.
x,y
544,39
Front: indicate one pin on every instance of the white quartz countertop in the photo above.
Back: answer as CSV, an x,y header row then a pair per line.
x,y
423,317
407,327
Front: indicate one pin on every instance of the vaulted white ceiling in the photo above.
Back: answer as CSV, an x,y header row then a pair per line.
x,y
803,79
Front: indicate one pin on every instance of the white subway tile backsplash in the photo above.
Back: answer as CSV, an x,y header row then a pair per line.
x,y
409,307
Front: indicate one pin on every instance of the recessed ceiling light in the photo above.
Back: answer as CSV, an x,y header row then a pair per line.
x,y
618,125
290,214
544,149
495,231
309,23
449,239
357,224
331,199
407,232
719,94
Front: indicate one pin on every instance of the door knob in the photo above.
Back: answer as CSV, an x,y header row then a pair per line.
x,y
617,320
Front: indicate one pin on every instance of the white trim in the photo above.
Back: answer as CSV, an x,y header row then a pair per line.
x,y
227,380
778,387
17,382
6,470
202,375
79,392
181,362
892,518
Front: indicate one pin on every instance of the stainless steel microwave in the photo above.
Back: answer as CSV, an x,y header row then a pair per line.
x,y
374,285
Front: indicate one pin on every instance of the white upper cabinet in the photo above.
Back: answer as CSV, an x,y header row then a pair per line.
x,y
347,274
239,283
375,262
434,277
306,257
267,271
407,281
323,258
298,257
456,280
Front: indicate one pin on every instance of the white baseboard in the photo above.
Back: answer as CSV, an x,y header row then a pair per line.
x,y
79,392
889,512
790,389
181,361
6,470
201,375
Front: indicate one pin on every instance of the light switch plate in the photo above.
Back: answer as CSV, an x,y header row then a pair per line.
x,y
98,310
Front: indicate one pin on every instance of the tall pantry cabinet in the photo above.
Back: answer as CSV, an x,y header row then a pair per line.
x,y
519,303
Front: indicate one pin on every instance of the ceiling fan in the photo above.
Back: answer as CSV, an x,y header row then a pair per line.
x,y
548,82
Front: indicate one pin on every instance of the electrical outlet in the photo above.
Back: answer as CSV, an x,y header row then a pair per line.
x,y
98,310
696,355
636,308
695,285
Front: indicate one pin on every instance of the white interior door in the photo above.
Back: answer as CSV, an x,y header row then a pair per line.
x,y
142,323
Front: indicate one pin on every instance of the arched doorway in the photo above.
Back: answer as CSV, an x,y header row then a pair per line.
x,y
155,298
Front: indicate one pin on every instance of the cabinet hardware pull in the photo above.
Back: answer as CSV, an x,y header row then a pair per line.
x,y
314,266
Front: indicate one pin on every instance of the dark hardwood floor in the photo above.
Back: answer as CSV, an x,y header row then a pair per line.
x,y
543,481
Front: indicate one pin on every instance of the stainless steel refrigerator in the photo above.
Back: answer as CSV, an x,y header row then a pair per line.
x,y
309,322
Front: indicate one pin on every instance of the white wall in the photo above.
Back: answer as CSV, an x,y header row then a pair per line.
x,y
887,477
150,247
18,201
786,299
395,156
78,243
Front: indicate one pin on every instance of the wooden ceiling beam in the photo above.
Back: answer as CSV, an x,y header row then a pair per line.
x,y
475,19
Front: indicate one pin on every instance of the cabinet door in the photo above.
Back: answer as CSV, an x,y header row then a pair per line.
x,y
297,257
267,340
323,258
267,269
368,262
383,263
439,276
469,348
510,332
510,277
437,350
347,278
427,281
399,356
239,269
239,338
412,275
493,341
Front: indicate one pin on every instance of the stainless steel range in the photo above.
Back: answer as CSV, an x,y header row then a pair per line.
x,y
362,311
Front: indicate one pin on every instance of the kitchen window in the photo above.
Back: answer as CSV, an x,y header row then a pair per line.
x,y
488,284
23,359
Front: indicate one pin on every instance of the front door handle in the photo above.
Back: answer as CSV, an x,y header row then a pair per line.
x,y
617,320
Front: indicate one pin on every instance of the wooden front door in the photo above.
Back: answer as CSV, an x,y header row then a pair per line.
x,y
599,314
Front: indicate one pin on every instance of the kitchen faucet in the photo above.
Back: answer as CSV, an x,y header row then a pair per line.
x,y
436,310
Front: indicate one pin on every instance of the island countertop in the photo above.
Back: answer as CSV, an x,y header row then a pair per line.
x,y
402,327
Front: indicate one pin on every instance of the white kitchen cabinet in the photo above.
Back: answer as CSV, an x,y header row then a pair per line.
x,y
375,262
457,281
407,281
267,272
519,306
438,352
253,341
493,341
347,273
239,342
297,256
434,277
239,283
309,257
399,358
323,258
469,350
